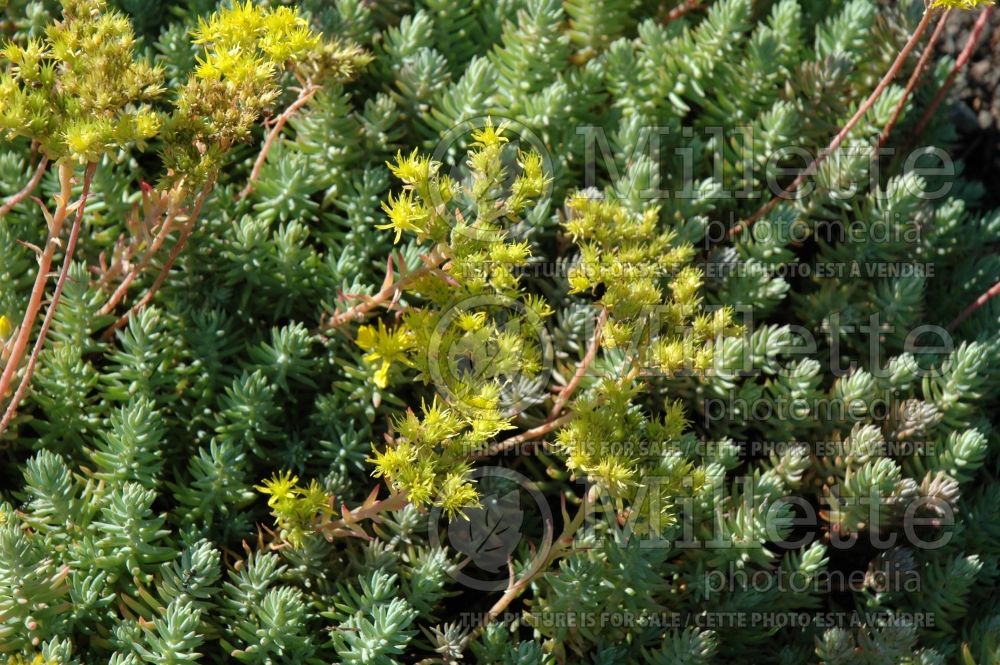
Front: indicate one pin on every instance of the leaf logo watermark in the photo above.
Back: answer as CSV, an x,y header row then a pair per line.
x,y
513,522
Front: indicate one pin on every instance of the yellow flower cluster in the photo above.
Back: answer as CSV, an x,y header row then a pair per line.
x,y
238,76
80,92
429,458
960,4
296,509
280,33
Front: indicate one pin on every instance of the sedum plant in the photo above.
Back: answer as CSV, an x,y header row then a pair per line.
x,y
80,95
476,336
479,253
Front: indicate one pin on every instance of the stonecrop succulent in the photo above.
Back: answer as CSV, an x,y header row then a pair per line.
x,y
473,332
79,92
520,332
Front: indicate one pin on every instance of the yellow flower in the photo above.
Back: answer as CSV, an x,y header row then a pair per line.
x,y
489,135
959,4
414,169
281,487
385,345
382,374
578,282
471,322
457,494
315,499
367,337
5,327
404,214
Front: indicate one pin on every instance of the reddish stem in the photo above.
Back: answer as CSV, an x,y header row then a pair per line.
x,y
581,369
27,190
681,10
139,268
388,291
392,502
963,60
165,270
307,93
55,223
74,235
914,79
554,421
524,437
540,563
976,304
897,65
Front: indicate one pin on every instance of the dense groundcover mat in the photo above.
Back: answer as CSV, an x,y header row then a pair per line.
x,y
526,331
